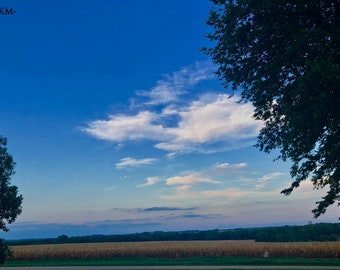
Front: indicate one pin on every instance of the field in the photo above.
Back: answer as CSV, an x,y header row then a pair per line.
x,y
176,249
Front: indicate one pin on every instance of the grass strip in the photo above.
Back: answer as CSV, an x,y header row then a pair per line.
x,y
143,261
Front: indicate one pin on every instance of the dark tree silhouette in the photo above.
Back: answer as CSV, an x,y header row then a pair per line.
x,y
10,200
284,57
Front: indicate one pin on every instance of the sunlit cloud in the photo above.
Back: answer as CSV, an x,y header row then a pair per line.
x,y
229,193
166,208
186,194
207,123
202,124
131,162
206,175
122,127
211,119
238,182
172,86
227,166
261,182
150,181
270,176
189,180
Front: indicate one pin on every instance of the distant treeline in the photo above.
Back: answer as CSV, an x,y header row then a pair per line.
x,y
306,233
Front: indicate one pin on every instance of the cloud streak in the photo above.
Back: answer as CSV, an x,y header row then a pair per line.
x,y
150,181
207,123
163,208
122,127
131,162
227,166
262,181
205,176
172,86
189,180
185,192
211,119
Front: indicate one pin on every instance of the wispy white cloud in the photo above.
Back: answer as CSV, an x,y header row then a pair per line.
x,y
270,176
203,123
206,123
172,86
165,208
186,193
122,127
191,179
131,162
229,193
205,175
212,119
150,181
227,166
261,182
236,182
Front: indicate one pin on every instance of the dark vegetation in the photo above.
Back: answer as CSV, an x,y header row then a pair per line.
x,y
311,232
215,260
284,58
10,200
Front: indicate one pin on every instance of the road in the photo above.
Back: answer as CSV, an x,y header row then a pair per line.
x,y
167,267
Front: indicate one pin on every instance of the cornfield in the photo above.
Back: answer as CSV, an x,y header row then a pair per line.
x,y
176,249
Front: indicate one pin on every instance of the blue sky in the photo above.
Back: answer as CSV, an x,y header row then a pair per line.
x,y
117,125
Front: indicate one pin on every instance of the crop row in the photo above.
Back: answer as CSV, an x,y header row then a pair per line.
x,y
177,249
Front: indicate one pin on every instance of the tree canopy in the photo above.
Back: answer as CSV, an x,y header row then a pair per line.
x,y
10,200
306,233
284,56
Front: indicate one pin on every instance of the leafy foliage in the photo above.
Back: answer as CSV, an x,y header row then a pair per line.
x,y
285,56
5,252
312,232
10,201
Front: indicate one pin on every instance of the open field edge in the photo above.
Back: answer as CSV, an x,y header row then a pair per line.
x,y
194,261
